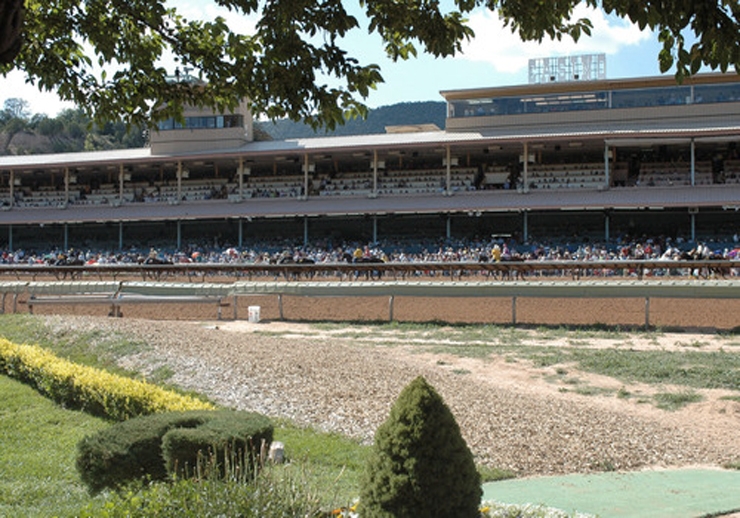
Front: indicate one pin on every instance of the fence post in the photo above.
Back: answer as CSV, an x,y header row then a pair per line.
x,y
280,305
235,301
390,308
513,310
647,312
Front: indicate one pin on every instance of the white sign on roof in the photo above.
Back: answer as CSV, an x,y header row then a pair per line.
x,y
585,67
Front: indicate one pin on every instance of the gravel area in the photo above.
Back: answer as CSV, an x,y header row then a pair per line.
x,y
512,414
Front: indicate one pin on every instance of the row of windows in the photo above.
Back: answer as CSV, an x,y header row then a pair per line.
x,y
596,100
208,122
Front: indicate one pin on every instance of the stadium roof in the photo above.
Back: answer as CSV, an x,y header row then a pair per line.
x,y
677,132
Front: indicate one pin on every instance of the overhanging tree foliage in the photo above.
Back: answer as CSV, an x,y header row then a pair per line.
x,y
282,66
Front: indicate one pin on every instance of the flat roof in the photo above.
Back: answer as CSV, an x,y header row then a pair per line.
x,y
591,85
675,131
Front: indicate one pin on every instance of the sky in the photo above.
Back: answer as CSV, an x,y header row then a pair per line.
x,y
495,57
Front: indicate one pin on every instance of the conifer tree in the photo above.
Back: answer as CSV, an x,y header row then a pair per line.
x,y
420,464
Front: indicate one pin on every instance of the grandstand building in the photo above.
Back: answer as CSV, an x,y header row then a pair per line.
x,y
592,159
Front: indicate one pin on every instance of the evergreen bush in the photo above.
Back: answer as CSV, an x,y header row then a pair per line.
x,y
140,447
420,464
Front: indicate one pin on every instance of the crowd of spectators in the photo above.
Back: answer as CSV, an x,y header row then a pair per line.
x,y
444,250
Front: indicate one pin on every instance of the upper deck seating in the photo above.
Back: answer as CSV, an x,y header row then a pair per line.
x,y
566,176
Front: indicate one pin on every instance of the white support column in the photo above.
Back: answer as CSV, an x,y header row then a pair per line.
x,y
120,235
693,162
607,180
179,234
375,172
240,173
12,188
66,187
120,184
448,179
305,230
693,227
525,226
449,226
647,312
179,182
66,236
241,233
525,171
305,176
606,227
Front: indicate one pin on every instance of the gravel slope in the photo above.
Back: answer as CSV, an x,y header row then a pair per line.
x,y
509,418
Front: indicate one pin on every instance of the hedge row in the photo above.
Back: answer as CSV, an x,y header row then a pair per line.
x,y
93,390
174,443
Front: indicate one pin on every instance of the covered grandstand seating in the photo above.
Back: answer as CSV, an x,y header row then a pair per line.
x,y
567,176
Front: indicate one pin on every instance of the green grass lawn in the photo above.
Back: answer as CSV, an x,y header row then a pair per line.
x,y
39,439
37,457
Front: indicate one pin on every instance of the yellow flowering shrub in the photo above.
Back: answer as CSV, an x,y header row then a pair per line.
x,y
93,390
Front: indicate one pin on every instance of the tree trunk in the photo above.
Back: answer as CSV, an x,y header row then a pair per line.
x,y
11,24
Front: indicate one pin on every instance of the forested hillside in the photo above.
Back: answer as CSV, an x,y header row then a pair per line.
x,y
24,134
428,112
70,131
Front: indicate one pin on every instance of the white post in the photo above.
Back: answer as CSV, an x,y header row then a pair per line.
x,y
240,172
448,186
66,186
120,184
179,182
525,172
305,176
12,188
693,162
375,172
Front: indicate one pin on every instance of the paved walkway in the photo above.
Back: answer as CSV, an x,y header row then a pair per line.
x,y
683,493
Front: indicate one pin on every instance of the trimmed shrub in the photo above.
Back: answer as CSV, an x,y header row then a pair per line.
x,y
420,464
95,391
153,446
232,442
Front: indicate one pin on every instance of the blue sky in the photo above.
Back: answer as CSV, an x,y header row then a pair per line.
x,y
494,58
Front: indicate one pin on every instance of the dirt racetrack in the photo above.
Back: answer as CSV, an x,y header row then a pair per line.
x,y
691,314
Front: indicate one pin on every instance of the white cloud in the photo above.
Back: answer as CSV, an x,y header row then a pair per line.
x,y
14,86
498,46
208,11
